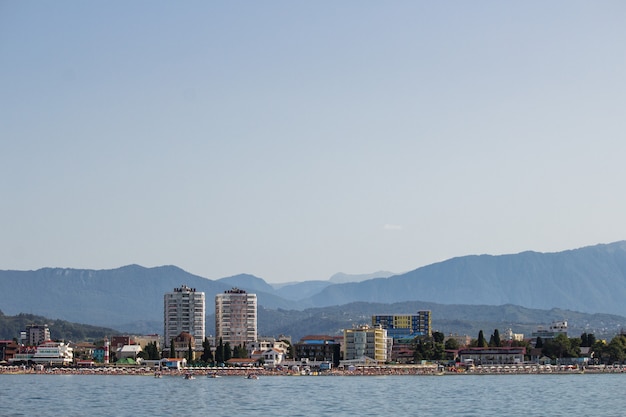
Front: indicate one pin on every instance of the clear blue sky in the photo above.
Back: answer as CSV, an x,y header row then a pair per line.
x,y
293,140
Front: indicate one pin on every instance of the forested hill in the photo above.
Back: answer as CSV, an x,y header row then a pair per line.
x,y
11,326
590,279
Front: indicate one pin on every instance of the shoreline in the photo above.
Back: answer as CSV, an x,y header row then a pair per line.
x,y
374,371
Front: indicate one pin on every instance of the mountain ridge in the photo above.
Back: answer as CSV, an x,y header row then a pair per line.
x,y
591,279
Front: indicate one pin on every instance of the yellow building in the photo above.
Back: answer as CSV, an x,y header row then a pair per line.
x,y
402,326
365,341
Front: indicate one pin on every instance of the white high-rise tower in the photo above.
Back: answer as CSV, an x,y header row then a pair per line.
x,y
235,317
184,311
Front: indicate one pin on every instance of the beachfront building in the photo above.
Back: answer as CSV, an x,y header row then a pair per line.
x,y
403,351
53,353
556,328
235,317
318,348
184,311
8,348
265,343
35,334
83,350
461,340
128,352
173,363
492,355
181,347
269,350
513,337
367,341
269,357
402,326
144,340
121,340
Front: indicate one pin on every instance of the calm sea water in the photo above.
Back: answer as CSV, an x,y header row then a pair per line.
x,y
462,395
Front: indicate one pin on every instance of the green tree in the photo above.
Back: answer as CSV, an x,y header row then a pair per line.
x,y
426,348
219,352
207,355
559,347
228,353
495,341
150,352
481,340
438,337
574,347
237,351
240,351
539,342
587,339
172,349
615,351
190,353
598,352
451,344
584,339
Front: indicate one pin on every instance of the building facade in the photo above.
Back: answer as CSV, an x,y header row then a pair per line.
x,y
365,341
556,328
184,311
318,348
401,326
492,355
235,317
8,348
47,353
181,347
263,344
36,334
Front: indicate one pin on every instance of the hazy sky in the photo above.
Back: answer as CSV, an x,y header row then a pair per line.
x,y
296,139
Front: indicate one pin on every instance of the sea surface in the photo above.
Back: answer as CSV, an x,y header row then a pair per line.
x,y
275,396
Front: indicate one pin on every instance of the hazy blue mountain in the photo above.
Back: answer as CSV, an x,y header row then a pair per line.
x,y
249,282
342,278
590,279
300,290
121,298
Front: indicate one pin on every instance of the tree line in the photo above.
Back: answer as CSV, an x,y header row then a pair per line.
x,y
221,354
436,348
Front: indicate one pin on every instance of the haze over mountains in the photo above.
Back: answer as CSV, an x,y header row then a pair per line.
x,y
588,280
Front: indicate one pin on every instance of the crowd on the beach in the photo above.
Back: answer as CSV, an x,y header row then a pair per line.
x,y
351,371
208,372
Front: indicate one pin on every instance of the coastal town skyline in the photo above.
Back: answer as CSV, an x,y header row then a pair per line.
x,y
293,141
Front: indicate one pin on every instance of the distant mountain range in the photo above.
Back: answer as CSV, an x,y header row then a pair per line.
x,y
342,278
588,280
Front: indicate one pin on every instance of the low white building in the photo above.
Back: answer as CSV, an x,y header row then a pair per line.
x,y
128,352
273,357
263,344
174,363
53,353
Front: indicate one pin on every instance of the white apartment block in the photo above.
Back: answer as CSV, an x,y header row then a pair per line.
x,y
235,317
184,311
